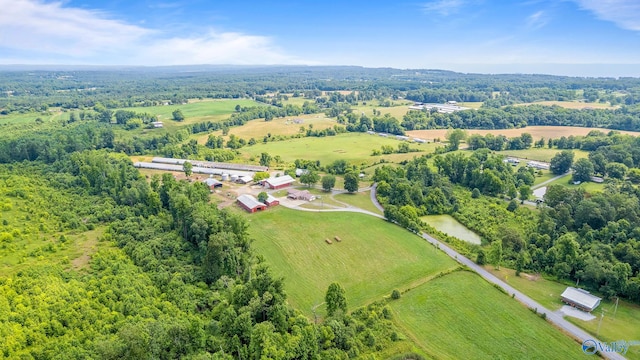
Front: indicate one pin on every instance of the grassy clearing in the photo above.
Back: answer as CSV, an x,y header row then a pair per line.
x,y
360,200
31,117
460,316
536,132
544,291
398,110
356,148
259,128
589,187
293,244
196,111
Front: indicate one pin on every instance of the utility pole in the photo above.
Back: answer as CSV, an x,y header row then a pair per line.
x,y
600,323
616,308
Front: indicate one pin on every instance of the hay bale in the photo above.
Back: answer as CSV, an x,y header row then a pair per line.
x,y
337,238
328,241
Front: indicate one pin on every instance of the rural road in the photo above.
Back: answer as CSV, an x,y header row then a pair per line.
x,y
550,181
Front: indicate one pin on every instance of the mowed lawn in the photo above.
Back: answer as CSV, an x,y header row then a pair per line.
x,y
542,154
355,148
460,316
373,258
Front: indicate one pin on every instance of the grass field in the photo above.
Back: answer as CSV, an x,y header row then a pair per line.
x,y
31,117
460,316
361,200
537,132
623,327
196,111
398,110
259,128
373,258
355,148
573,104
589,187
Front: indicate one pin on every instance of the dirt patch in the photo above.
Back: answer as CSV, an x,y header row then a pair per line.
x,y
534,277
88,244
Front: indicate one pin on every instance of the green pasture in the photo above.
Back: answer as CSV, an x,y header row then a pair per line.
x,y
30,117
355,148
360,200
373,258
460,316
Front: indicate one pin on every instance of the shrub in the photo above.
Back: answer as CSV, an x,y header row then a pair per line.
x,y
395,294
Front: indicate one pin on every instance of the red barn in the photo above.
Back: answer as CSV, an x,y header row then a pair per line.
x,y
250,203
271,201
279,182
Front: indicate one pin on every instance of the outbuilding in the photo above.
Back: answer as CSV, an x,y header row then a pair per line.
x,y
580,299
272,201
279,182
250,203
212,183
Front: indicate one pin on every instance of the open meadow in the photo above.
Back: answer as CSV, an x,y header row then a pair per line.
x,y
542,154
373,258
355,148
536,132
289,125
460,316
196,111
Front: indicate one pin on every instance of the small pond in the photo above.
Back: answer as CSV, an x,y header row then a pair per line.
x,y
450,226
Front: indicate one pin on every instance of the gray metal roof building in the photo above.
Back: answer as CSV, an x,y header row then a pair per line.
x,y
211,164
580,299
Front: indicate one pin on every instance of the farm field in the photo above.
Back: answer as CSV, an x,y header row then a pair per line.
x,y
457,316
536,131
292,242
259,128
196,111
355,148
547,292
398,110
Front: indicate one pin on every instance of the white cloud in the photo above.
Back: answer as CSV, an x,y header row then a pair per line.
x,y
50,30
624,13
443,7
537,20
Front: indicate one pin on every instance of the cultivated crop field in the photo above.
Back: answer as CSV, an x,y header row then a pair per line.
x,y
373,258
460,316
355,148
536,131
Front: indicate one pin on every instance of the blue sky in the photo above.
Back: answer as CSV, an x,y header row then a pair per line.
x,y
574,37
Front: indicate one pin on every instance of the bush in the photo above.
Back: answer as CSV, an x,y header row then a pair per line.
x,y
395,294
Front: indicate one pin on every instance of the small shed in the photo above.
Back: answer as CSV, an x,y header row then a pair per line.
x,y
244,179
580,299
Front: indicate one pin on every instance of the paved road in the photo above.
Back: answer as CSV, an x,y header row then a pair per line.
x,y
550,180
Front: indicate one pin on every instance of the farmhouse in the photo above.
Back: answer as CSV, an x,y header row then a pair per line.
x,y
279,182
300,195
580,299
250,203
272,201
212,183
